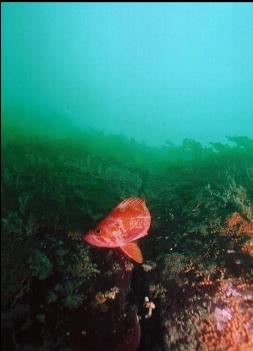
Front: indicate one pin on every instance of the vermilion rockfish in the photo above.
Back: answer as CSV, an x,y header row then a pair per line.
x,y
127,222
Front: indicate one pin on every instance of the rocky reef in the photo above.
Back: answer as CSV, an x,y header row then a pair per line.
x,y
195,288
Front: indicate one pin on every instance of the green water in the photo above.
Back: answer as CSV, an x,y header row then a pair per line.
x,y
103,102
154,72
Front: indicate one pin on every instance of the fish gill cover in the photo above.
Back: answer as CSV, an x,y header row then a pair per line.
x,y
85,117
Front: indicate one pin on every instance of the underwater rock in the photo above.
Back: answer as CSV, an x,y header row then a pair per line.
x,y
132,337
132,333
218,322
63,295
114,325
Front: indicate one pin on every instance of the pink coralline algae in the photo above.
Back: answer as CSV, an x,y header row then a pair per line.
x,y
221,321
230,325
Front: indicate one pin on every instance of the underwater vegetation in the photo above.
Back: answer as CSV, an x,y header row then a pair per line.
x,y
194,290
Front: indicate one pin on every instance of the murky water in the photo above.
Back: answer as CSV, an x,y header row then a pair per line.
x,y
104,102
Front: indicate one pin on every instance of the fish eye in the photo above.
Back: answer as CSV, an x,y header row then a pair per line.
x,y
98,230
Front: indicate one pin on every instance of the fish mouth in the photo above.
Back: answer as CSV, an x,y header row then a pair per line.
x,y
93,240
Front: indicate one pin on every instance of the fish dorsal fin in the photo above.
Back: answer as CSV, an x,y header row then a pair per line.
x,y
131,202
133,251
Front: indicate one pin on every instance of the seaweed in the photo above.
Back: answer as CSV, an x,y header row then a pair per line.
x,y
56,188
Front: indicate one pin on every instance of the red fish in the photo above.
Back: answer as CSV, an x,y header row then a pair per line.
x,y
127,222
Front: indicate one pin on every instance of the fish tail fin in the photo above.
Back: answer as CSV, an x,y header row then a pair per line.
x,y
133,251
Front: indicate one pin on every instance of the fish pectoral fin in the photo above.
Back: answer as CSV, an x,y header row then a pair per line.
x,y
133,251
